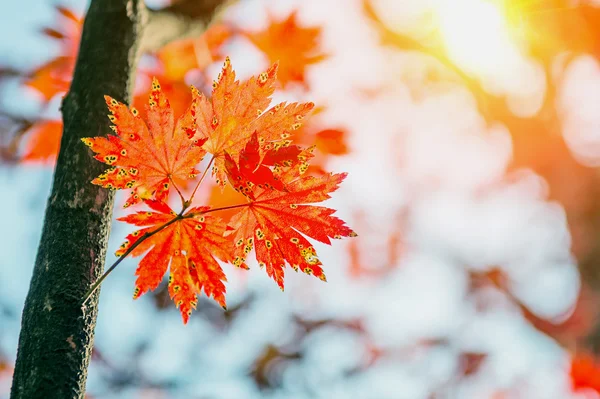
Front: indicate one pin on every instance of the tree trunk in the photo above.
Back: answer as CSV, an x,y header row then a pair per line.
x,y
57,335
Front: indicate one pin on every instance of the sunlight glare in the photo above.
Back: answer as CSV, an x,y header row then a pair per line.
x,y
476,36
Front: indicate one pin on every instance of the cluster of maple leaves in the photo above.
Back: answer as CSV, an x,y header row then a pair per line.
x,y
264,163
250,147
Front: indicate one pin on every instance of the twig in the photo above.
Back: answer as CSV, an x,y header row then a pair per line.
x,y
184,19
143,238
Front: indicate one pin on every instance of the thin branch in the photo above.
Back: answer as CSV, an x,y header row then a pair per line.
x,y
178,191
12,129
184,19
10,72
188,202
143,238
17,119
224,208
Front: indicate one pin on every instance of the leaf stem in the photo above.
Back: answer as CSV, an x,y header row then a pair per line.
x,y
224,208
144,237
189,202
178,191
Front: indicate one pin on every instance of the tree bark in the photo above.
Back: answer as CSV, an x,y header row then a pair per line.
x,y
57,335
184,19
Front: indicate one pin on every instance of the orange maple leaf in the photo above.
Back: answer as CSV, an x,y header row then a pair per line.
x,y
189,244
294,46
332,141
181,56
44,142
237,110
274,223
148,158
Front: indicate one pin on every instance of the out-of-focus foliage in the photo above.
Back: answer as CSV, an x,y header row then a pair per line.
x,y
295,53
54,77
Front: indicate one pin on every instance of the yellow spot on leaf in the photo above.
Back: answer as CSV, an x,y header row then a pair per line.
x,y
110,159
259,234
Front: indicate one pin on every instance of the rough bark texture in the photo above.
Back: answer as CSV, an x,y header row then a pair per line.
x,y
56,337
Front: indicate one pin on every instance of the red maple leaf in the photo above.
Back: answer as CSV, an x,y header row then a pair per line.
x,y
254,166
189,244
293,46
148,157
275,222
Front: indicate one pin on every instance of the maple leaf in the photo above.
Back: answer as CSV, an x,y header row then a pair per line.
x,y
254,166
294,46
148,157
189,245
177,91
237,110
44,142
50,79
332,141
55,76
275,222
181,56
